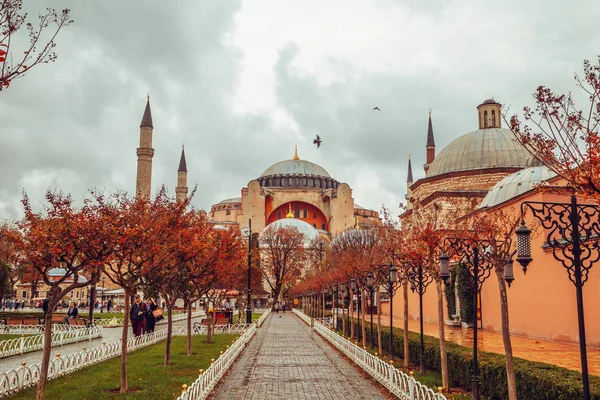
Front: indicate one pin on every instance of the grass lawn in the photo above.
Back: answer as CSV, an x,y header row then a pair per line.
x,y
254,316
9,336
147,377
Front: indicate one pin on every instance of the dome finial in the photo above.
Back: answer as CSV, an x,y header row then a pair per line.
x,y
296,154
356,222
290,214
430,112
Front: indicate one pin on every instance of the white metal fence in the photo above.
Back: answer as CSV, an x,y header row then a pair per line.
x,y
207,380
26,344
33,329
262,318
397,382
115,322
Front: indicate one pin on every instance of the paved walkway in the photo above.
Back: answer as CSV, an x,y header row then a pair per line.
x,y
287,360
108,335
558,353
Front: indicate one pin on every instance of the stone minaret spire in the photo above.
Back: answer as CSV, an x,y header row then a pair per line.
x,y
409,182
181,190
430,146
145,152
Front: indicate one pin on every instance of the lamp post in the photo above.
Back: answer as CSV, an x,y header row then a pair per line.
x,y
572,234
342,287
353,289
102,279
419,280
371,289
248,300
472,253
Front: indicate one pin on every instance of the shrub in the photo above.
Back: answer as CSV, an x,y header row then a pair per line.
x,y
535,380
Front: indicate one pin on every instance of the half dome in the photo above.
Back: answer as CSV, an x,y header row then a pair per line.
x,y
480,149
304,228
516,184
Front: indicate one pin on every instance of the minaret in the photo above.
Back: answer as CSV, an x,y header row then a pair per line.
x,y
430,146
145,152
409,182
181,190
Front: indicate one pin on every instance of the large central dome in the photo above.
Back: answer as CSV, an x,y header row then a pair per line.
x,y
483,148
300,167
296,173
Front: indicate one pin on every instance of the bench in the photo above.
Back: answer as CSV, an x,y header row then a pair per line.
x,y
77,322
31,321
58,318
14,321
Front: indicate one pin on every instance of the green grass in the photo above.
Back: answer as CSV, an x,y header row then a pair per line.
x,y
254,317
147,377
8,336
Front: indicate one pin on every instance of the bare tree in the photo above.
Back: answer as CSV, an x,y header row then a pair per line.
x,y
39,51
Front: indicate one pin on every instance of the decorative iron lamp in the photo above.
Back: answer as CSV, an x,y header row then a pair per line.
x,y
444,266
523,245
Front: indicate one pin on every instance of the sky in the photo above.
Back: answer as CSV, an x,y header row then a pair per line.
x,y
240,83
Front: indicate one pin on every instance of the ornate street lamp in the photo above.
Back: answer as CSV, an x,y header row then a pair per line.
x,y
371,290
334,303
419,280
354,290
573,235
343,289
248,300
472,253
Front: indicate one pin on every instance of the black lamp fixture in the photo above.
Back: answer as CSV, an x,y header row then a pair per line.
x,y
523,245
369,280
444,266
393,274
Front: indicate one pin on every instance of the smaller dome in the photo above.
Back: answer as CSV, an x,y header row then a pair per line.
x,y
490,101
231,200
516,184
305,228
60,272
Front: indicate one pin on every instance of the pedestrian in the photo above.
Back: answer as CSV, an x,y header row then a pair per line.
x,y
284,307
149,314
136,315
277,307
72,312
108,305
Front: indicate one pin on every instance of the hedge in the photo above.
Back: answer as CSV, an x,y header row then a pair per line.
x,y
535,380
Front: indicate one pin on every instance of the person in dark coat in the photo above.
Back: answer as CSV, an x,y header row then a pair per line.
x,y
150,319
136,315
72,312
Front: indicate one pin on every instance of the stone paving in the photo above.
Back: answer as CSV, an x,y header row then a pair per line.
x,y
108,335
287,360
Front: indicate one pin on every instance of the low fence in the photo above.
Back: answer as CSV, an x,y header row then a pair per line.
x,y
33,329
26,376
26,344
262,318
397,382
116,322
229,328
303,316
207,380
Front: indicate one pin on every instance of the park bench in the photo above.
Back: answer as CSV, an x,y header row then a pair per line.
x,y
77,322
14,321
58,318
31,321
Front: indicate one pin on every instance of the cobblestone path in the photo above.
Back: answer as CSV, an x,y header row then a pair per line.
x,y
287,360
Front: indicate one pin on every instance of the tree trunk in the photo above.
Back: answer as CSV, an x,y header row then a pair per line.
x,y
343,314
443,351
209,325
124,341
46,351
510,366
377,298
406,346
323,304
170,304
92,303
189,328
351,307
363,327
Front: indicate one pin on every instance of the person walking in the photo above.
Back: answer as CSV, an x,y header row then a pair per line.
x,y
148,313
136,315
108,305
277,307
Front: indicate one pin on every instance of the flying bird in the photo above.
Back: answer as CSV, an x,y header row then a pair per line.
x,y
376,108
317,141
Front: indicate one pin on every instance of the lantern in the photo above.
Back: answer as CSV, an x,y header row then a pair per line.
x,y
523,245
509,275
369,279
444,266
393,274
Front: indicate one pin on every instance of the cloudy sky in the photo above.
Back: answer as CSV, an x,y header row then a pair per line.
x,y
242,82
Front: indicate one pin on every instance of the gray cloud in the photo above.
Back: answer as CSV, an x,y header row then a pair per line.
x,y
240,83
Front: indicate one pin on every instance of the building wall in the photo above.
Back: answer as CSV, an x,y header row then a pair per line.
x,y
542,303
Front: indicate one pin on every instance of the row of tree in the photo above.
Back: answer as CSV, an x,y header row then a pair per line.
x,y
138,244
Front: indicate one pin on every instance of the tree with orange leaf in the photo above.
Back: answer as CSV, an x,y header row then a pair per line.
x,y
563,136
66,238
12,19
141,228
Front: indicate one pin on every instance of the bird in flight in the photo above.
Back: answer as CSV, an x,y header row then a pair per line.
x,y
376,108
317,141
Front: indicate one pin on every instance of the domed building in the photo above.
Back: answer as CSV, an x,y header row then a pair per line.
x,y
298,186
466,169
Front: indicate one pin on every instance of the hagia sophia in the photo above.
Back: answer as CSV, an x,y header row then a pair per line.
x,y
485,167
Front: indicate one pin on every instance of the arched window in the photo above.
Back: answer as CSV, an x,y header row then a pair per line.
x,y
485,119
323,227
494,118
